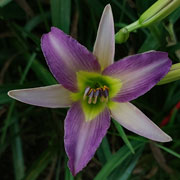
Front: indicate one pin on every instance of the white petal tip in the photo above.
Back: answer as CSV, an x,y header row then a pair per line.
x,y
15,94
108,9
10,94
108,6
167,139
164,138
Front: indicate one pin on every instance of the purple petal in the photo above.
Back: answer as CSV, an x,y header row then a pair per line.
x,y
104,45
49,96
138,73
134,120
82,138
65,56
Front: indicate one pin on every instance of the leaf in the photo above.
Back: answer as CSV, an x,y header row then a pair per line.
x,y
4,2
104,152
127,13
18,159
12,106
174,16
61,13
123,135
168,150
68,175
125,169
4,98
40,164
41,72
35,21
116,160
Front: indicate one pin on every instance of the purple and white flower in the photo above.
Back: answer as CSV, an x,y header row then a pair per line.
x,y
96,88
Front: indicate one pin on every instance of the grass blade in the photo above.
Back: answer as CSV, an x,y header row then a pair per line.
x,y
123,136
115,161
39,165
61,13
18,159
68,175
124,171
104,152
41,72
168,150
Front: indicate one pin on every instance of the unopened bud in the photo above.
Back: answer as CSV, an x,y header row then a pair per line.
x,y
158,11
172,75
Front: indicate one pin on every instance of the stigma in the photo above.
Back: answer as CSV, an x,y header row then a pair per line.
x,y
93,94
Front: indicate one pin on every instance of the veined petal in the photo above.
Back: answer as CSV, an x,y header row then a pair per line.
x,y
105,43
134,120
53,96
83,138
65,56
138,73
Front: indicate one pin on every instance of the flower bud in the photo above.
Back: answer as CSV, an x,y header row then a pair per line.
x,y
172,75
122,35
158,11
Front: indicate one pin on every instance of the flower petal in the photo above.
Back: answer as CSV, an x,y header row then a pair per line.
x,y
134,120
83,138
53,96
65,56
105,43
138,73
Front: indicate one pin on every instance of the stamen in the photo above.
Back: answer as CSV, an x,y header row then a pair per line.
x,y
102,93
91,89
106,88
91,96
96,94
86,92
106,94
102,99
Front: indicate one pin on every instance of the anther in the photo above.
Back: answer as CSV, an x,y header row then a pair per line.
x,y
91,94
86,92
106,87
102,95
106,92
96,94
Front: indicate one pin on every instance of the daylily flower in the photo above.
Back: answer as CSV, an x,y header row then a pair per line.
x,y
96,88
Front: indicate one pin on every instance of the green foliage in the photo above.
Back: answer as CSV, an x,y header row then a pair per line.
x,y
61,14
31,138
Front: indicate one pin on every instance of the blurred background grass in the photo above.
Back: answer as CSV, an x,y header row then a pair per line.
x,y
31,138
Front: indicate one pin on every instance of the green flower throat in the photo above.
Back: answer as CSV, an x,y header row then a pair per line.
x,y
95,92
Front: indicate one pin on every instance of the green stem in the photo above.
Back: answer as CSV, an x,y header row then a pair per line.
x,y
133,26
